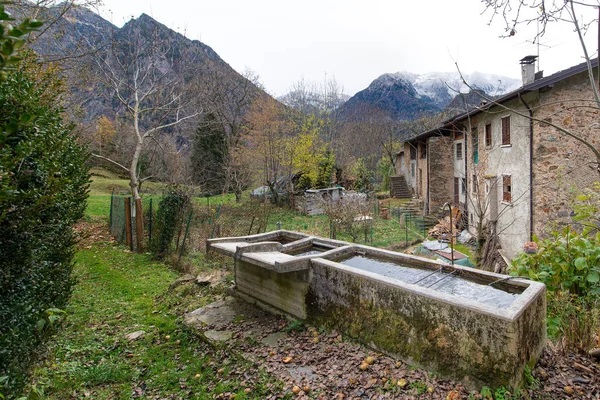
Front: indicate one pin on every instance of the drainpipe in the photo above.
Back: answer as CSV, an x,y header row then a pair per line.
x,y
427,194
530,166
467,134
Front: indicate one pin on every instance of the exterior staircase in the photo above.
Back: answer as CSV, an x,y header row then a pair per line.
x,y
399,188
412,212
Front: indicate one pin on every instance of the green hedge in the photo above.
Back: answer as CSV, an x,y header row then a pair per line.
x,y
170,218
43,188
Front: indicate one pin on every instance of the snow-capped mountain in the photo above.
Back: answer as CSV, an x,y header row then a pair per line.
x,y
406,96
442,87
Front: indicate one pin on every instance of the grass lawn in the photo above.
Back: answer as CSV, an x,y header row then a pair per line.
x,y
118,293
104,183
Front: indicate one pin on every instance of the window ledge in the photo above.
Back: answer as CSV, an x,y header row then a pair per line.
x,y
505,145
506,204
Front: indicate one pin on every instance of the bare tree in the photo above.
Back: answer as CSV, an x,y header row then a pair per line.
x,y
141,69
228,97
321,100
49,11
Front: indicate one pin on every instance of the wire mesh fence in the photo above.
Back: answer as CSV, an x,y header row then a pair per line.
x,y
376,223
125,226
117,218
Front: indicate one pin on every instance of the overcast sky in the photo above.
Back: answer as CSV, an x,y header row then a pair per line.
x,y
354,41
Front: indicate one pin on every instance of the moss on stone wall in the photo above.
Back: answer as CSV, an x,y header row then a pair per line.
x,y
454,342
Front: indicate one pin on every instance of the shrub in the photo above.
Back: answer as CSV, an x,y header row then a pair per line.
x,y
343,215
172,209
569,264
43,187
567,261
587,209
573,320
364,176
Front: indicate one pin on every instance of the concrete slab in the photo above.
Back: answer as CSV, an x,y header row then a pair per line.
x,y
218,337
220,314
217,314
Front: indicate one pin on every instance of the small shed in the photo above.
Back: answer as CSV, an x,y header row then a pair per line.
x,y
312,201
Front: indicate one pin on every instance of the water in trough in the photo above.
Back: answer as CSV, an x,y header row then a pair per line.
x,y
439,281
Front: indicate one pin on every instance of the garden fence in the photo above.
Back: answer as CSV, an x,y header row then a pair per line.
x,y
126,223
379,224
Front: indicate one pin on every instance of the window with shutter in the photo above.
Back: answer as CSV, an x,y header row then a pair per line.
x,y
459,133
488,135
475,140
506,189
506,130
459,151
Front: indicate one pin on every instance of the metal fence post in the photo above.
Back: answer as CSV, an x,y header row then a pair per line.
x,y
216,219
150,223
110,217
406,229
187,228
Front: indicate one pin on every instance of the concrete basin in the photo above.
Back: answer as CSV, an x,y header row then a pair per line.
x,y
475,326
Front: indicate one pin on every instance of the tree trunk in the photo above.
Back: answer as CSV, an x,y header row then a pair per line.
x,y
134,181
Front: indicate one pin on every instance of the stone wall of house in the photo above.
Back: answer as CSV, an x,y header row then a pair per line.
x,y
441,173
562,165
421,177
410,180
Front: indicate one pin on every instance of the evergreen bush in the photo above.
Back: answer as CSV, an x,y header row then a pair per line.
x,y
43,190
173,207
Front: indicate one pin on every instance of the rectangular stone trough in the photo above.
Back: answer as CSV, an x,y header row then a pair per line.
x,y
448,319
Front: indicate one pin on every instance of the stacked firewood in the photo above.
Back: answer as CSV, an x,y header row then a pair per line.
x,y
444,230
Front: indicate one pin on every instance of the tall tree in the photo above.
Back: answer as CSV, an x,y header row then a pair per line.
x,y
228,97
265,141
209,155
142,67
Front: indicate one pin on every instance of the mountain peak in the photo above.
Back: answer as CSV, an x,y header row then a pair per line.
x,y
406,95
441,87
146,17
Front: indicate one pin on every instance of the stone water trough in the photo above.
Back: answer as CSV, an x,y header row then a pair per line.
x,y
475,326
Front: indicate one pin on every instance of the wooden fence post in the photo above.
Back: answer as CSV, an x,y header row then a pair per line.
x,y
139,224
128,233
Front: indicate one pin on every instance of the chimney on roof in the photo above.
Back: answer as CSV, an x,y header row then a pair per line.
x,y
528,69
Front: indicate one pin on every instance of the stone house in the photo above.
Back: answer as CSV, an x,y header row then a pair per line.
x,y
506,161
